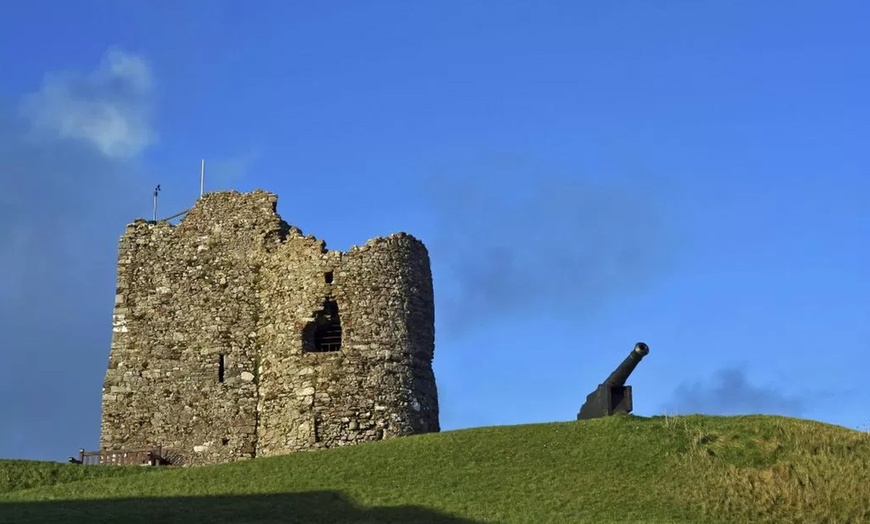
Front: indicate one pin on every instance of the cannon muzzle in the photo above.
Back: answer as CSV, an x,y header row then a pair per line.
x,y
613,396
620,374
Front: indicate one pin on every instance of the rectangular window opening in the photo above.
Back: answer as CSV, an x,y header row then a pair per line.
x,y
328,277
221,368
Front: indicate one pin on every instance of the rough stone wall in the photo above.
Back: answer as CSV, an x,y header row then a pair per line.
x,y
212,346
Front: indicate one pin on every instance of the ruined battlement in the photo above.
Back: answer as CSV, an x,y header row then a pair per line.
x,y
235,335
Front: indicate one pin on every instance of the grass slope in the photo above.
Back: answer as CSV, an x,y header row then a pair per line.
x,y
619,469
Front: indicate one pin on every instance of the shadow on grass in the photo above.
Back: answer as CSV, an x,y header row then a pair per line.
x,y
308,507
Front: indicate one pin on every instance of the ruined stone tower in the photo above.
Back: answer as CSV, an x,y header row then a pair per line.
x,y
236,336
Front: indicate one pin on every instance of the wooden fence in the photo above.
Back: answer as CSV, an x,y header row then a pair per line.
x,y
124,457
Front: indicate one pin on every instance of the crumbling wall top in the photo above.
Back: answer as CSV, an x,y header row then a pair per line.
x,y
256,211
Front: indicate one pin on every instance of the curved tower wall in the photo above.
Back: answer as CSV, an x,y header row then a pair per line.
x,y
367,390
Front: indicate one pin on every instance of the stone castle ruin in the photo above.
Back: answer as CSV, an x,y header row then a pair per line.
x,y
236,336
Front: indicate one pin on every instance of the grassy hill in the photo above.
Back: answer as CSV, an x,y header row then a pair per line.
x,y
619,469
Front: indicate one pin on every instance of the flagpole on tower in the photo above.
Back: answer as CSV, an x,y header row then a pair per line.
x,y
201,177
156,191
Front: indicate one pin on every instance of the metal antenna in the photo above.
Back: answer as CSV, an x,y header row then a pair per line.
x,y
201,177
156,190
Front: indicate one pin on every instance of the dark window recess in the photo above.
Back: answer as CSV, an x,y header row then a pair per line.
x,y
328,277
225,441
221,368
324,334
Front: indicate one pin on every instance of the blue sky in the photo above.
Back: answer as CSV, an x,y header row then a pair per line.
x,y
689,174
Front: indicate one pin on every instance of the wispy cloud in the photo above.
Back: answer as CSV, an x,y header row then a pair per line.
x,y
565,245
109,108
64,205
729,392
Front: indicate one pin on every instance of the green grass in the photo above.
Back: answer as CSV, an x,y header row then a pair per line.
x,y
619,469
17,475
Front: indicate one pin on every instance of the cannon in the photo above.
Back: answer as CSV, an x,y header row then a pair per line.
x,y
613,396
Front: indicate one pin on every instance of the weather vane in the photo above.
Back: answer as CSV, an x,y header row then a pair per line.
x,y
201,190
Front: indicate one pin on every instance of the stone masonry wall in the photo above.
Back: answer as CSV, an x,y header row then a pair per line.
x,y
212,347
366,391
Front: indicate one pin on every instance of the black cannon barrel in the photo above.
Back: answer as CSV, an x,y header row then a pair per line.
x,y
620,374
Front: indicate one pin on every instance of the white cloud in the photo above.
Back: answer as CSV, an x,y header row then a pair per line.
x,y
109,108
